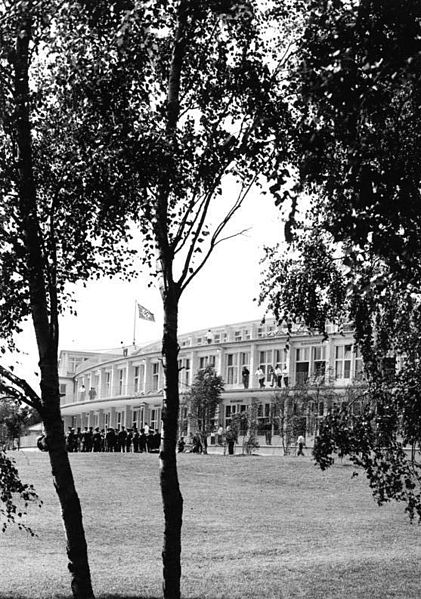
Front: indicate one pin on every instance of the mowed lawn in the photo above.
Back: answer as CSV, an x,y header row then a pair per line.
x,y
269,527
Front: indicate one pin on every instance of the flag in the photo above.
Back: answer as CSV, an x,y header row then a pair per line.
x,y
145,314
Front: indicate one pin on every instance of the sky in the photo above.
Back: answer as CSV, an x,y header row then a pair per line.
x,y
222,293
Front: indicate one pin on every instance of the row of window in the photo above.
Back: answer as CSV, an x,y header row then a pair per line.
x,y
240,334
310,362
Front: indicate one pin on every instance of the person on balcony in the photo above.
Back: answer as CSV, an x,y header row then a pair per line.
x,y
278,375
245,375
260,377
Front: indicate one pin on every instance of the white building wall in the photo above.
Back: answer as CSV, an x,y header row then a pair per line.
x,y
147,399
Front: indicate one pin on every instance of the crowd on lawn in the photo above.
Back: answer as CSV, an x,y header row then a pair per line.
x,y
108,439
145,440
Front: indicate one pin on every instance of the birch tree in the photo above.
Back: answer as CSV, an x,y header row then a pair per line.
x,y
53,207
190,92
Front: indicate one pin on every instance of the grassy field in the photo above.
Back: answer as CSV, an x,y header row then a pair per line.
x,y
254,527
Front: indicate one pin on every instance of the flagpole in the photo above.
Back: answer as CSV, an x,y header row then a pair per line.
x,y
134,323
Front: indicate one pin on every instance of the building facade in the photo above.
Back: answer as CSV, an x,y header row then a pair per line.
x,y
103,390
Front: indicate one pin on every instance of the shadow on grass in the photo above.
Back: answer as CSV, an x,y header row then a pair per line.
x,y
102,596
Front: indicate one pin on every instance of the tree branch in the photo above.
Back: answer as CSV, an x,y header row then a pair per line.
x,y
21,390
185,279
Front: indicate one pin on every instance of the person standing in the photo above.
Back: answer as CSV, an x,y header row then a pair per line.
x,y
85,440
110,439
79,438
219,434
70,439
209,336
136,441
122,435
230,439
129,438
149,440
96,440
89,439
142,441
301,444
245,375
278,375
260,377
285,375
272,376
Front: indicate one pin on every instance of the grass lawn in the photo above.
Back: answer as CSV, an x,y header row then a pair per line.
x,y
254,527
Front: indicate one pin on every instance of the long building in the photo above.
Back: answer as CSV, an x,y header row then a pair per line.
x,y
126,389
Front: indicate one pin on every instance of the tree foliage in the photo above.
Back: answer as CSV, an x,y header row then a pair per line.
x,y
357,136
189,96
14,417
204,396
11,487
358,124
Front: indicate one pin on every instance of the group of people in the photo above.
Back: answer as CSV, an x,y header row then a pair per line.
x,y
109,439
197,443
276,376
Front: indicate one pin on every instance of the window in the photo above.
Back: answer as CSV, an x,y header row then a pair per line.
x,y
265,361
136,379
231,361
199,340
139,379
206,361
120,379
155,418
264,413
63,387
234,409
107,419
74,362
120,419
359,366
302,365
135,418
281,358
81,389
389,366
93,386
107,384
244,359
155,376
184,371
318,361
343,355
217,338
238,336
260,332
246,334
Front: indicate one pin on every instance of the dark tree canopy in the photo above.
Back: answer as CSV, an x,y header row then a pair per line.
x,y
357,103
355,97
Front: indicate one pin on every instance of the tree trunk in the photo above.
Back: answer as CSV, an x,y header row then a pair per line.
x,y
45,318
170,489
76,547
